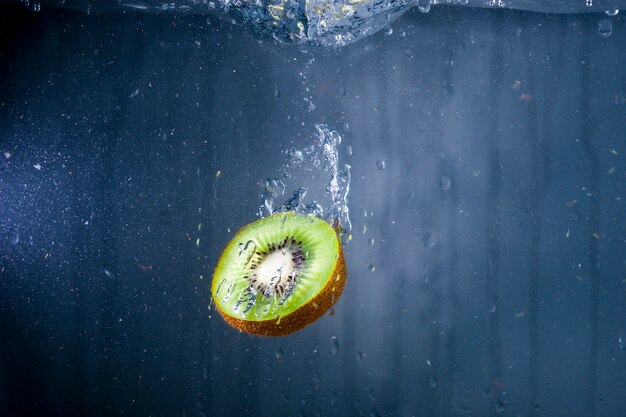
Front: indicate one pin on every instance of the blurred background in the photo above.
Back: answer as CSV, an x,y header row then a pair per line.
x,y
487,266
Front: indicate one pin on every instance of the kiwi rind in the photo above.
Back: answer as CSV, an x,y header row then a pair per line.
x,y
306,313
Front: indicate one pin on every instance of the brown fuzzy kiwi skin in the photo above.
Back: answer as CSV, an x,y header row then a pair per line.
x,y
302,317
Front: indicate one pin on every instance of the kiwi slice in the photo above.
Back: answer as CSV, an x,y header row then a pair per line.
x,y
279,274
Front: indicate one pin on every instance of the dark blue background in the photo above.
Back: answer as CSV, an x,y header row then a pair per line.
x,y
502,294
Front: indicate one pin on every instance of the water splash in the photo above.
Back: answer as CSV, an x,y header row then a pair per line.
x,y
318,160
333,23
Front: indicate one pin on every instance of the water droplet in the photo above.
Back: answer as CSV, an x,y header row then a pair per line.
x,y
15,239
279,354
371,241
429,240
445,183
492,307
605,28
423,6
371,394
620,343
433,381
380,164
388,31
401,33
372,267
334,345
276,93
349,150
612,12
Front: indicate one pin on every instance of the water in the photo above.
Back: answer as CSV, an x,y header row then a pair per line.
x,y
318,160
333,23
484,253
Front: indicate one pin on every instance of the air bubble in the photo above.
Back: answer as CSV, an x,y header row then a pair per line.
x,y
492,307
360,356
380,164
388,31
433,381
423,6
277,93
429,240
612,12
605,28
279,354
334,347
371,241
15,238
621,344
401,33
445,183
500,406
372,268
371,394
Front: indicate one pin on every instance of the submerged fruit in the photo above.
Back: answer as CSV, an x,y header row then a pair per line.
x,y
279,274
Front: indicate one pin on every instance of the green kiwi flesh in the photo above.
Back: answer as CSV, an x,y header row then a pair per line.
x,y
279,274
